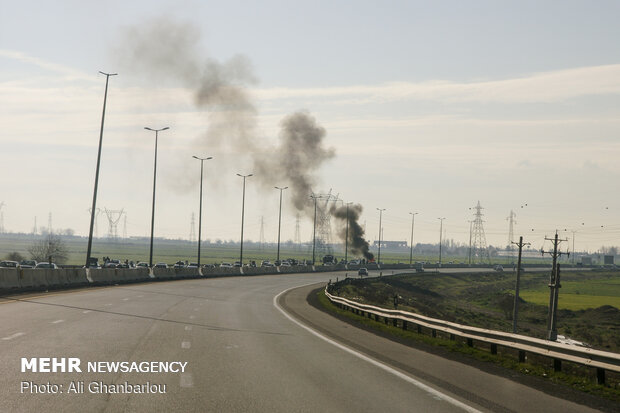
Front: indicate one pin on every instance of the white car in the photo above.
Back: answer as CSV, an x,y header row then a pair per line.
x,y
226,265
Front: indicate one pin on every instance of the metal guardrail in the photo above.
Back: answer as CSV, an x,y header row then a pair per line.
x,y
601,360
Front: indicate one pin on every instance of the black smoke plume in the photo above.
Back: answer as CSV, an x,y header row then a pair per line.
x,y
357,243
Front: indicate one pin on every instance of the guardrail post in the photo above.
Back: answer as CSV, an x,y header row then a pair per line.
x,y
451,337
521,356
493,348
386,320
557,365
395,322
600,376
376,317
470,342
434,333
404,324
419,329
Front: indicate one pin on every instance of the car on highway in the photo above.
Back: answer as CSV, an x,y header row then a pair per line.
x,y
112,264
362,271
9,264
498,268
28,264
266,263
226,265
46,265
179,264
142,264
192,265
161,265
354,262
285,264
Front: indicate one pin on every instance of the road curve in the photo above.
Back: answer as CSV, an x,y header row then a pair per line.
x,y
242,353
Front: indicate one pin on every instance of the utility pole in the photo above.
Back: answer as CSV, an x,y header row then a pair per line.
x,y
440,237
380,215
346,238
515,309
470,227
554,286
313,196
280,220
413,214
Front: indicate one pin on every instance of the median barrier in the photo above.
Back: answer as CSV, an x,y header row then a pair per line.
x,y
132,274
54,278
75,276
104,276
163,273
32,278
9,278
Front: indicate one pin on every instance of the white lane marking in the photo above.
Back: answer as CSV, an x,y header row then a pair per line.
x,y
85,311
125,299
57,321
12,336
140,296
187,380
186,344
196,309
191,317
188,328
434,393
108,304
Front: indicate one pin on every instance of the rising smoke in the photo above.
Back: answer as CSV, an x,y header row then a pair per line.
x,y
357,243
166,52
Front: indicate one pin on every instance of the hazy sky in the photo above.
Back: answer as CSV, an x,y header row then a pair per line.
x,y
429,106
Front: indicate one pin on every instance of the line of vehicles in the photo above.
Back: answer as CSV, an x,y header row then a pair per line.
x,y
27,264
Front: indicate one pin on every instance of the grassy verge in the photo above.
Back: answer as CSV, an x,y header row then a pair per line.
x,y
580,378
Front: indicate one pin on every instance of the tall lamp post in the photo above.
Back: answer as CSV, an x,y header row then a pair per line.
x,y
440,235
313,196
413,214
202,160
154,182
93,209
242,215
346,237
280,220
380,215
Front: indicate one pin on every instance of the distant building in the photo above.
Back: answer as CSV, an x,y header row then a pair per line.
x,y
608,260
391,245
586,260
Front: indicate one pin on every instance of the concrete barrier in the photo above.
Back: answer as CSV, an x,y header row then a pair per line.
x,y
104,276
9,278
75,276
33,278
163,273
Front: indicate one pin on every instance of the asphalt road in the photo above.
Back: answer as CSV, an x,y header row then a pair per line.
x,y
243,353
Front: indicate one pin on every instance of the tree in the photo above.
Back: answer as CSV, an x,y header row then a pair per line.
x,y
14,256
52,245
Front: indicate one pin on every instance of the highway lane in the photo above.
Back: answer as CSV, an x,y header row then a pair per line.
x,y
242,353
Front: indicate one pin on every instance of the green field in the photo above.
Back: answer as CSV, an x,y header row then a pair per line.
x,y
579,295
171,251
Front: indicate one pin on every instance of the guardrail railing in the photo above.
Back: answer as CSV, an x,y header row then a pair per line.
x,y
601,360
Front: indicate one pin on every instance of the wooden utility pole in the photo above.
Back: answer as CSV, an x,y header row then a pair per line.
x,y
554,286
515,311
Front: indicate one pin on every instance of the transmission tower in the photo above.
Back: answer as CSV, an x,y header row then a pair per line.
x,y
479,248
34,229
261,238
114,216
323,223
297,234
192,229
511,224
49,223
2,204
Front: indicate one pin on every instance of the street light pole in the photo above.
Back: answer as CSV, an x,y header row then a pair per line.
x,y
413,214
154,182
440,240
380,215
314,231
280,220
242,215
346,238
202,160
93,209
